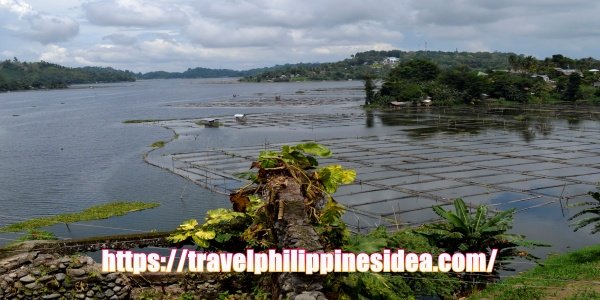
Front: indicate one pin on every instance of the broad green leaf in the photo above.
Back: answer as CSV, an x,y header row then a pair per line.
x,y
177,237
247,175
334,175
314,149
205,234
223,237
200,242
189,224
268,163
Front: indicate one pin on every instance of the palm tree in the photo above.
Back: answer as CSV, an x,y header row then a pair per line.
x,y
464,231
594,209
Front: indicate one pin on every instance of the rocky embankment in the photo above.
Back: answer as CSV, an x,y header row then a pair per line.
x,y
35,275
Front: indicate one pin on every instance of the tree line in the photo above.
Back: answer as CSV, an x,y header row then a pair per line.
x,y
526,80
17,75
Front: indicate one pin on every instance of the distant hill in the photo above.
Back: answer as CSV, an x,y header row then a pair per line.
x,y
374,64
377,64
195,73
17,75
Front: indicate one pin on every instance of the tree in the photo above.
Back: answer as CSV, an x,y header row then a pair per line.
x,y
466,81
418,70
572,90
511,87
369,90
530,64
475,232
513,62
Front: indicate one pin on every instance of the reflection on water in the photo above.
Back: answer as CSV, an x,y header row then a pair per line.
x,y
424,123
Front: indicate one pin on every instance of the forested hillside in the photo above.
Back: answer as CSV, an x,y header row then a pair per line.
x,y
17,75
376,64
195,73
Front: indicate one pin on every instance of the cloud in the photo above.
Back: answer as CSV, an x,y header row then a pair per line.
x,y
120,39
130,13
211,34
296,14
55,54
15,6
39,26
174,35
50,29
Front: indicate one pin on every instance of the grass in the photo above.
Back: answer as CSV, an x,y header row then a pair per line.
x,y
158,144
574,275
97,212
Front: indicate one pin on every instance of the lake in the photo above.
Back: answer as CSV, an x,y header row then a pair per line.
x,y
65,150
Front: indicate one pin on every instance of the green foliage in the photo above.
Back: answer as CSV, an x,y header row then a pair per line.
x,y
251,223
572,90
333,176
363,286
17,75
96,212
369,90
371,285
591,208
158,144
37,234
481,231
295,156
466,81
370,62
222,229
330,226
569,274
418,70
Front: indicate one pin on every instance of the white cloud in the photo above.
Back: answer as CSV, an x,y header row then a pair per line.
x,y
55,54
212,34
39,26
120,39
148,35
16,6
129,13
50,29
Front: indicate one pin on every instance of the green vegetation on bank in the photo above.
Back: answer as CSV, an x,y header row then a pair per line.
x,y
158,144
97,212
423,82
568,276
197,73
17,75
378,64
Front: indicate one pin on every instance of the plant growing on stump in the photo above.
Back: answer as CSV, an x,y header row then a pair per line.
x,y
288,204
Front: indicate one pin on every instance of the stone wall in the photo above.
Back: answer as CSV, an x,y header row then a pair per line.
x,y
37,275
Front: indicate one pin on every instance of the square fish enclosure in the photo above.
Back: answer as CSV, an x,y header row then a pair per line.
x,y
403,173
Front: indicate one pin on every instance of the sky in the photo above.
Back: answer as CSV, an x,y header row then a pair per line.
x,y
149,35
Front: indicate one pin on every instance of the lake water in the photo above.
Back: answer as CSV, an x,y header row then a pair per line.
x,y
64,150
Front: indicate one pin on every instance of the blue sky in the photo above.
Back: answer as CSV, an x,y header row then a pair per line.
x,y
144,35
